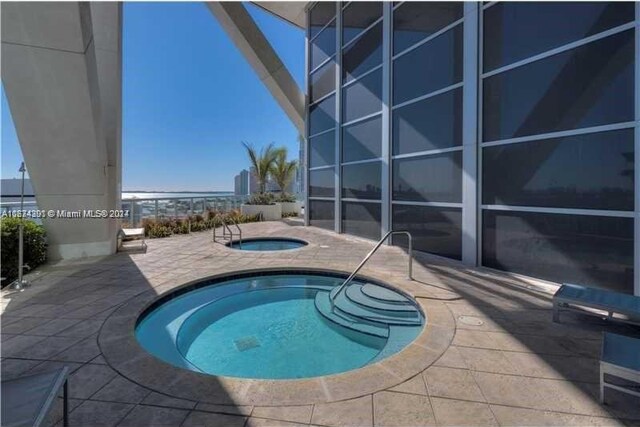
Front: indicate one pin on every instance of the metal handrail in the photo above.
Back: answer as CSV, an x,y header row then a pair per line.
x,y
225,228
366,258
239,230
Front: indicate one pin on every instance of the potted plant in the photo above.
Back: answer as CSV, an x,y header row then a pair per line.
x,y
282,172
261,202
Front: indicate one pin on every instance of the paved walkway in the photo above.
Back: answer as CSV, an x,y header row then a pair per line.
x,y
507,364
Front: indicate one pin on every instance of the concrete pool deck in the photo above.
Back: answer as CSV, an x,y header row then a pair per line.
x,y
495,358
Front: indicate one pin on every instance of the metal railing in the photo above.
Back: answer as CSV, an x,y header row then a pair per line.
x,y
344,284
225,228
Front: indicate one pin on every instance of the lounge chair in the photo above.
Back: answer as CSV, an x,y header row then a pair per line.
x,y
134,234
621,358
27,401
570,296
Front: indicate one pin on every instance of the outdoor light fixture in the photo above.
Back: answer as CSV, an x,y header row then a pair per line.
x,y
21,283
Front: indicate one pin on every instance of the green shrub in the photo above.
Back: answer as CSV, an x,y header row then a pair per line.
x,y
166,227
286,198
261,199
35,246
289,214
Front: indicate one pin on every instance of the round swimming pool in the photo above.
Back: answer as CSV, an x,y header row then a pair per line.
x,y
267,244
279,325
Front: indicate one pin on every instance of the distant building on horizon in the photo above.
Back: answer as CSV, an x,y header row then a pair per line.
x,y
241,183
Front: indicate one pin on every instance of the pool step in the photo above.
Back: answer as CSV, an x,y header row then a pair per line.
x,y
323,305
342,304
383,294
355,293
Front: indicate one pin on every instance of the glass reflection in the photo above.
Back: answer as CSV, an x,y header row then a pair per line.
x,y
363,54
322,115
588,86
361,219
322,214
358,16
322,150
430,124
363,97
594,171
433,229
590,250
415,21
323,81
362,140
361,181
320,16
434,178
432,66
322,183
323,46
512,29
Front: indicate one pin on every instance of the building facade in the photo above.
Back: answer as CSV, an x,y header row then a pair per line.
x,y
504,135
241,183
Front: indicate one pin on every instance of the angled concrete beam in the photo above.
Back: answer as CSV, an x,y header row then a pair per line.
x,y
62,74
249,39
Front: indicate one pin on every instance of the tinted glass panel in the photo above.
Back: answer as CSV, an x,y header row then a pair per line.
x,y
362,97
361,219
361,181
362,141
587,86
322,183
432,66
434,230
414,21
518,30
321,213
322,150
593,171
358,16
364,54
431,124
589,250
322,115
320,15
323,46
435,178
323,81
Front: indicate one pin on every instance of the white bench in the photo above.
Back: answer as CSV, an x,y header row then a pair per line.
x,y
133,234
620,358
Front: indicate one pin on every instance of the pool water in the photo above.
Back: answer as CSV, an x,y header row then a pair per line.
x,y
266,327
267,244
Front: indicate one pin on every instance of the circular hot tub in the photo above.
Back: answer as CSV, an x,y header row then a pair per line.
x,y
267,244
279,325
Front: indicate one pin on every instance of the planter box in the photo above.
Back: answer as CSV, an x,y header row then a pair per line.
x,y
289,207
269,212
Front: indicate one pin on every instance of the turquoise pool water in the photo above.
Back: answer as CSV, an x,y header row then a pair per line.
x,y
265,327
267,244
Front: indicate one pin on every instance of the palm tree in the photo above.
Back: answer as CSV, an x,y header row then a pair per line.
x,y
282,170
262,162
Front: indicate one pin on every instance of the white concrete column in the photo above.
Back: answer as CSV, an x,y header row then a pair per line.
x,y
254,46
62,75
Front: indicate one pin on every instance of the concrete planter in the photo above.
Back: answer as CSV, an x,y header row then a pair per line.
x,y
291,207
269,212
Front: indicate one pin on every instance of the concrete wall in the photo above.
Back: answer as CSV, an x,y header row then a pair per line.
x,y
61,69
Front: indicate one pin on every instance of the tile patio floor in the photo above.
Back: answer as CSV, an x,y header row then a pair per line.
x,y
516,368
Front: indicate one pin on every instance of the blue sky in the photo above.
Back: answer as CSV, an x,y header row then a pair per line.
x,y
189,99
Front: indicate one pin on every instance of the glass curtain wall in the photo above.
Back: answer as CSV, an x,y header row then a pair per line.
x,y
554,126
426,125
322,124
557,141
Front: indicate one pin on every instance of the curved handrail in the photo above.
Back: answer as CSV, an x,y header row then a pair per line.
x,y
366,258
239,230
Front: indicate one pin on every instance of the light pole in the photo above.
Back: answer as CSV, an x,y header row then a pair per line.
x,y
21,283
